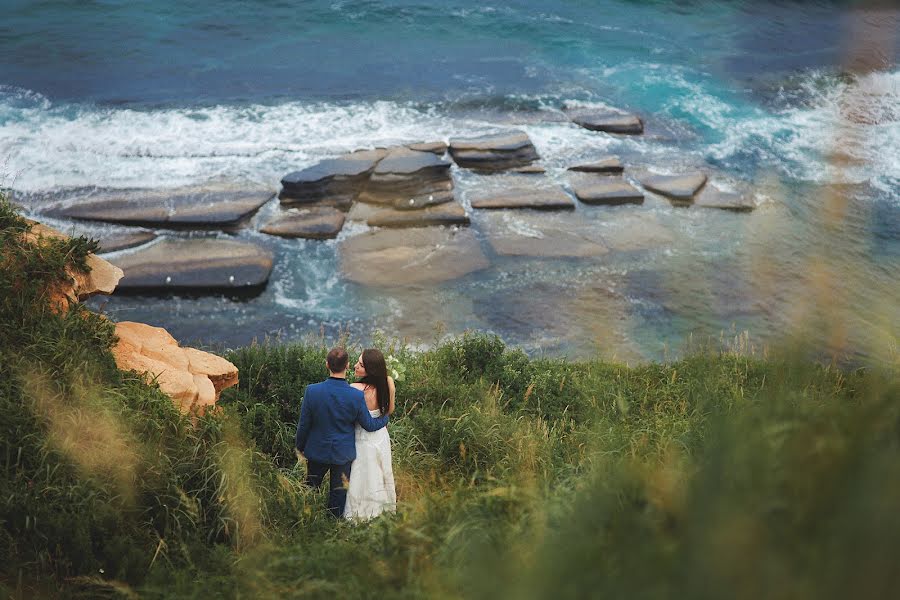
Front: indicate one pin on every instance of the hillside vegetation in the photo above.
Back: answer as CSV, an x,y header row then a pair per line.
x,y
719,475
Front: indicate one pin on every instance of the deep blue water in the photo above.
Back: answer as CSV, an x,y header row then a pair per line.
x,y
156,94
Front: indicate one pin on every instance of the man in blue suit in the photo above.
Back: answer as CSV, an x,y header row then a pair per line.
x,y
326,432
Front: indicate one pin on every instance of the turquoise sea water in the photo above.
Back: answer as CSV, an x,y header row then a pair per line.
x,y
764,95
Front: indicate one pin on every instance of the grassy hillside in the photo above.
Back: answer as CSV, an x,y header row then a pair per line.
x,y
715,476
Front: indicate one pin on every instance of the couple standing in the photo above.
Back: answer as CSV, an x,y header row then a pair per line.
x,y
342,432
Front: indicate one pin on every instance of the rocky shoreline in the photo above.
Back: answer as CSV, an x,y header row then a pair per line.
x,y
404,195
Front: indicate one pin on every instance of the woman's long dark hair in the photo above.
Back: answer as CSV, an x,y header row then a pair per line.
x,y
376,376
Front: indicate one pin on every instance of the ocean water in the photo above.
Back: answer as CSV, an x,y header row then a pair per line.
x,y
794,103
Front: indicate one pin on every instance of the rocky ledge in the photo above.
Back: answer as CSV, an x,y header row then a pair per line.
x,y
606,120
408,180
198,265
207,207
319,223
339,177
538,199
495,152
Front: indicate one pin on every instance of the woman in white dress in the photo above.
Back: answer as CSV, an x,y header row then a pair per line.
x,y
371,490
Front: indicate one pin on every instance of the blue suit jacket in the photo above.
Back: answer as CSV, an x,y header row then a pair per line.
x,y
326,432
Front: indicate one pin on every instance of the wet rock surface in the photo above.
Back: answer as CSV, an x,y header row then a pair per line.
x,y
449,213
712,197
606,164
390,257
608,121
318,223
195,265
538,199
494,152
193,207
333,177
607,191
408,180
677,187
524,234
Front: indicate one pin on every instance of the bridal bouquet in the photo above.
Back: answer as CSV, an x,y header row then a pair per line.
x,y
395,368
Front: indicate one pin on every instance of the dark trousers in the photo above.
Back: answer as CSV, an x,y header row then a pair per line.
x,y
337,485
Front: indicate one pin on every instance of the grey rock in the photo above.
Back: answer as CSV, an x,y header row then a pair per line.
x,y
609,191
408,180
607,121
333,177
712,197
410,257
193,207
607,164
124,241
438,148
540,199
530,170
450,213
678,187
494,152
318,223
194,265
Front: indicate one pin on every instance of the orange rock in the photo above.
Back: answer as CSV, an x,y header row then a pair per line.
x,y
191,377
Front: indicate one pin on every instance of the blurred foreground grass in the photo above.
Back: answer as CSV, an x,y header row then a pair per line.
x,y
720,475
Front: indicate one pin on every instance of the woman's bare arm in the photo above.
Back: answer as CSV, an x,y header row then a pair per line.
x,y
393,391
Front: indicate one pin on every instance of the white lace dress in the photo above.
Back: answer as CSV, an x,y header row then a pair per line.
x,y
371,490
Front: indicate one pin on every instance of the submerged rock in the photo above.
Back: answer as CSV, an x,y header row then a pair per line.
x,y
540,199
611,191
606,120
192,207
524,234
314,223
712,197
408,180
390,257
450,213
607,164
530,170
195,265
495,152
330,178
678,187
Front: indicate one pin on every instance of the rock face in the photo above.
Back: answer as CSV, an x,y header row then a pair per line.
x,y
196,265
450,213
563,235
494,152
313,223
438,148
677,187
712,197
408,180
389,258
123,241
540,199
607,164
607,121
195,207
101,279
192,378
339,177
607,191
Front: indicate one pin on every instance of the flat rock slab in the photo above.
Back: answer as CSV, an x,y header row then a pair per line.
x,y
678,187
391,257
194,265
450,213
530,170
539,199
124,241
438,148
318,223
564,236
610,191
607,164
607,121
341,202
712,197
408,179
331,177
201,207
495,152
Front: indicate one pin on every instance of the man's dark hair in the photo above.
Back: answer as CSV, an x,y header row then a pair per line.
x,y
337,360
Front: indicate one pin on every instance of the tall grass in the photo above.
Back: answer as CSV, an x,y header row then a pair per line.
x,y
720,475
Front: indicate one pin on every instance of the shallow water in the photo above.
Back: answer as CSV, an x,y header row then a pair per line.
x,y
761,95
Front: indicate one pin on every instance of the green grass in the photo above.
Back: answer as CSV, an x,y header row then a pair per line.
x,y
719,475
